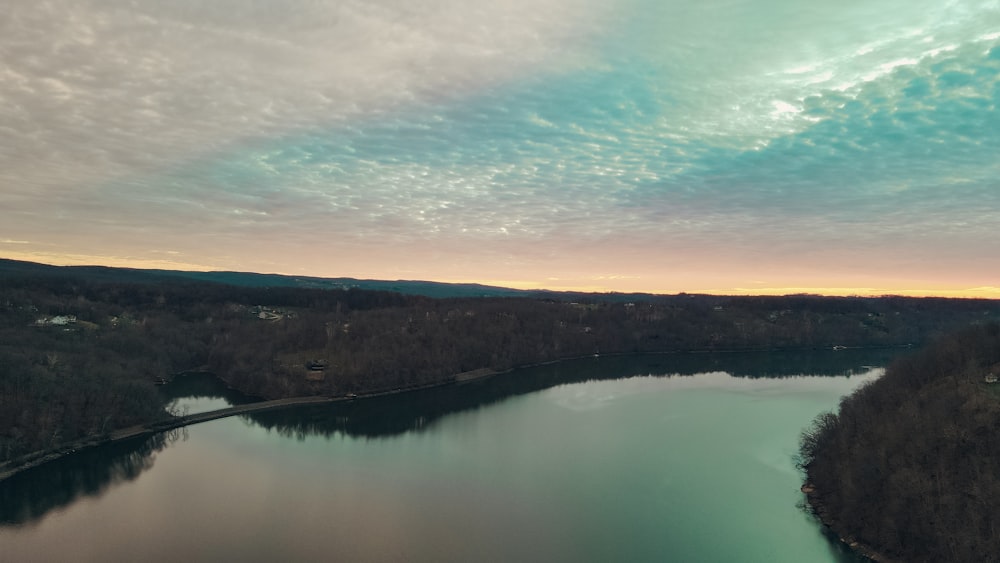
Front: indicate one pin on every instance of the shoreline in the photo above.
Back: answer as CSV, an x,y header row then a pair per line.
x,y
35,459
32,460
818,509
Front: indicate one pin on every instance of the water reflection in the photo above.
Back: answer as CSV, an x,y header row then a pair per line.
x,y
387,416
28,496
183,389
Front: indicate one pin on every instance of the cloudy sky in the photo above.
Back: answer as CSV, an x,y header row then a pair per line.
x,y
726,146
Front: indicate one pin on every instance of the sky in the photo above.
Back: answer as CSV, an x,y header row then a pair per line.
x,y
717,146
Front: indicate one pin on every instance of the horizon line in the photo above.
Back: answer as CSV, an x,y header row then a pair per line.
x,y
983,292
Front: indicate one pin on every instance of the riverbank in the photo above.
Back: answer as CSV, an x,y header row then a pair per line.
x,y
816,506
497,439
907,464
35,459
30,461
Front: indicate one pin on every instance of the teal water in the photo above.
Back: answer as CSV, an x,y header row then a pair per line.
x,y
585,461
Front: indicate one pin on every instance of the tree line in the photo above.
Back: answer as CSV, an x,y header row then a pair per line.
x,y
62,379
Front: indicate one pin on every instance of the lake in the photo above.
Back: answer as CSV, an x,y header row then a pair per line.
x,y
684,457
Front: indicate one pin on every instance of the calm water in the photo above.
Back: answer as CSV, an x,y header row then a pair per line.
x,y
667,458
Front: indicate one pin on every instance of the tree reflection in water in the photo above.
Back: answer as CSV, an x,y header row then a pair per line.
x,y
27,496
390,415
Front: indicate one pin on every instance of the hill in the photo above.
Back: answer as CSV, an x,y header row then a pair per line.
x,y
251,279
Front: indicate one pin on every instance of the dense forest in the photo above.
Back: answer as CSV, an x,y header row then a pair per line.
x,y
907,467
81,351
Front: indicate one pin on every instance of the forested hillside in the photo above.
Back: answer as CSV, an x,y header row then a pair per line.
x,y
80,354
909,464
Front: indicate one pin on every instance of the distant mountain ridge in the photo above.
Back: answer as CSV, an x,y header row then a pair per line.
x,y
252,279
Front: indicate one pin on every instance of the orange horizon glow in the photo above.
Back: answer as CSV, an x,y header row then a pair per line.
x,y
629,284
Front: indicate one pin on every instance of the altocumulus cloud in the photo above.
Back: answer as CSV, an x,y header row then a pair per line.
x,y
104,90
841,137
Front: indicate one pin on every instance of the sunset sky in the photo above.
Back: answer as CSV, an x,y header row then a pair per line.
x,y
723,146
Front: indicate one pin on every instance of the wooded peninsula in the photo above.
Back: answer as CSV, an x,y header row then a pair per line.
x,y
906,470
83,349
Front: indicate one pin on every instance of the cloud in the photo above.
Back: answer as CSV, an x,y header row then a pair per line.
x,y
100,89
552,134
